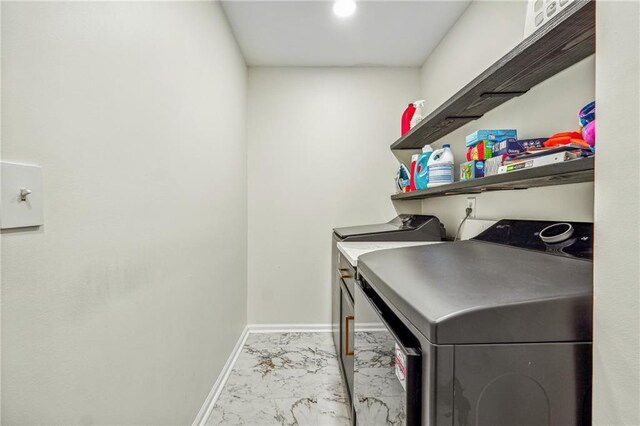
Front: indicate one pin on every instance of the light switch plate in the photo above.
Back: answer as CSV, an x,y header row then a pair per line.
x,y
14,212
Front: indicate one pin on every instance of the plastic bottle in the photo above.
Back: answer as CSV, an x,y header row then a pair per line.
x,y
440,167
412,168
405,123
417,115
422,170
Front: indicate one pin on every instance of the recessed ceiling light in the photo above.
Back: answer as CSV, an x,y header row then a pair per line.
x,y
344,8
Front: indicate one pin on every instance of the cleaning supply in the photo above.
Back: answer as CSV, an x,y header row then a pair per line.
x,y
512,146
422,170
558,157
483,150
470,170
417,116
412,169
490,135
492,165
441,167
403,179
405,123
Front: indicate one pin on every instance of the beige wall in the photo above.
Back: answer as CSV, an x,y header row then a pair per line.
x,y
616,393
0,232
1,127
550,107
319,158
123,308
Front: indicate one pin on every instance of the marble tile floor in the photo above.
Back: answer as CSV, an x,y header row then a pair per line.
x,y
284,379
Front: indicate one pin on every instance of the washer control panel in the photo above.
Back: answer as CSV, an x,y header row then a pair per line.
x,y
571,239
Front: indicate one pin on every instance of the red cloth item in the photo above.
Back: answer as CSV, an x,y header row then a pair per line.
x,y
405,123
565,138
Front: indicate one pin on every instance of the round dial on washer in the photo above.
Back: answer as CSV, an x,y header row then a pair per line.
x,y
556,233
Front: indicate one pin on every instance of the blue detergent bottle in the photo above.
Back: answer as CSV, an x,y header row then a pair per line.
x,y
422,171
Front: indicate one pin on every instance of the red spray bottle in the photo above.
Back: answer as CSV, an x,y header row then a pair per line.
x,y
405,123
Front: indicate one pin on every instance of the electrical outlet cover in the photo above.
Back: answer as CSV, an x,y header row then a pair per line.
x,y
15,213
471,203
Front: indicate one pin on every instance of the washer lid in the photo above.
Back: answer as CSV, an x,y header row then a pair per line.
x,y
353,231
401,223
478,292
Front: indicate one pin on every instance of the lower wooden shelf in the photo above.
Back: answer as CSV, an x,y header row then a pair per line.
x,y
574,171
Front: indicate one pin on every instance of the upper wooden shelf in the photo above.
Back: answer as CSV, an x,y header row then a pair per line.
x,y
565,40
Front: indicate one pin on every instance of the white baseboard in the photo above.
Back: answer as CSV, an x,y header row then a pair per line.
x,y
205,410
289,328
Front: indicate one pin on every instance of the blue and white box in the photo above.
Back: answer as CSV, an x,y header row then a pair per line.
x,y
512,146
490,135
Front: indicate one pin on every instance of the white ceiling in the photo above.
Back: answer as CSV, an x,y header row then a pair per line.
x,y
307,33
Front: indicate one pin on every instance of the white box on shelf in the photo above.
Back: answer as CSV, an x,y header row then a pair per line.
x,y
539,12
558,157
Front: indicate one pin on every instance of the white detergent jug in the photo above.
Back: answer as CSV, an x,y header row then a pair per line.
x,y
440,167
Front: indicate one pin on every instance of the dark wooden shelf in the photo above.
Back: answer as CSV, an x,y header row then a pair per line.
x,y
565,40
574,171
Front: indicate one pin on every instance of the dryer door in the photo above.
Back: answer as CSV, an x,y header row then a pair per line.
x,y
387,371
